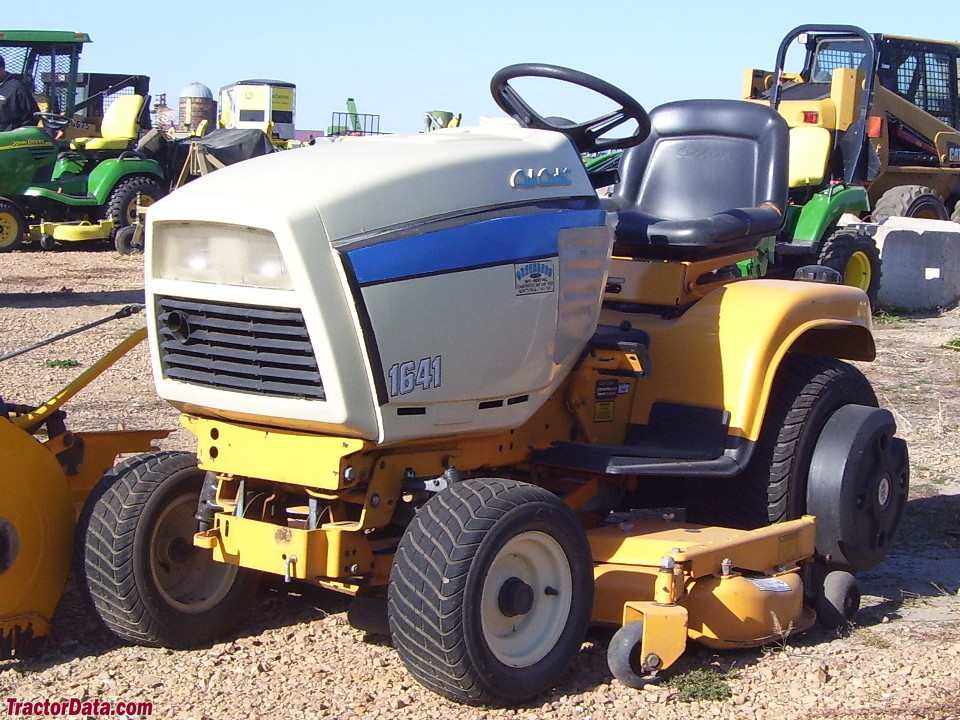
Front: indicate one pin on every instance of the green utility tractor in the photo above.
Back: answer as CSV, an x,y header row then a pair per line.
x,y
77,177
873,132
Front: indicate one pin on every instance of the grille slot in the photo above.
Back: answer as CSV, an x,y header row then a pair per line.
x,y
243,348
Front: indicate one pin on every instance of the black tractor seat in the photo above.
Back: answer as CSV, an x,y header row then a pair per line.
x,y
710,180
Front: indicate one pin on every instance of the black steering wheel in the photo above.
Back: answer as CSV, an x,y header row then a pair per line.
x,y
586,135
54,121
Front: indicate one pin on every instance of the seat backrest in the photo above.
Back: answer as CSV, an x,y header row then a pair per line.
x,y
705,157
120,121
810,148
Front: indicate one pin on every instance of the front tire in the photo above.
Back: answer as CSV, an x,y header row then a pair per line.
x,y
491,592
915,201
856,257
139,568
13,225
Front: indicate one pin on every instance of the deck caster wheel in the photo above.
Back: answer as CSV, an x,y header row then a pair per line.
x,y
47,242
491,592
838,601
623,657
857,488
138,566
126,242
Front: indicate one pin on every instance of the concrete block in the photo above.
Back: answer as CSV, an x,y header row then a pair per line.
x,y
920,262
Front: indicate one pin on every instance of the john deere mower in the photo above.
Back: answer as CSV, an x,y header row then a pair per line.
x,y
440,375
874,130
77,177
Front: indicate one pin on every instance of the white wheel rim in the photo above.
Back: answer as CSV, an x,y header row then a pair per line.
x,y
524,639
188,578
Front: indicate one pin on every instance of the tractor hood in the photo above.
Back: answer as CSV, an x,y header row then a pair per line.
x,y
381,287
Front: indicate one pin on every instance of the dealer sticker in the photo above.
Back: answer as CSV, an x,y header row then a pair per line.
x,y
538,276
771,584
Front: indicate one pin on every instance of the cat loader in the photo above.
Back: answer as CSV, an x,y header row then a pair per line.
x,y
438,373
874,131
48,474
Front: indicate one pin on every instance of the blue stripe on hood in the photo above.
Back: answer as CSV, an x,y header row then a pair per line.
x,y
479,244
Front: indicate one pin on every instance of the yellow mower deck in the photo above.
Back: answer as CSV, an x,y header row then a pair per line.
x,y
724,587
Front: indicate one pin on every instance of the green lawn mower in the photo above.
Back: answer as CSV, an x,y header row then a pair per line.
x,y
78,176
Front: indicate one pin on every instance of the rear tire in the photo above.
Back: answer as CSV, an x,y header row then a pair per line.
x,y
856,257
138,566
122,203
13,226
773,488
915,201
491,592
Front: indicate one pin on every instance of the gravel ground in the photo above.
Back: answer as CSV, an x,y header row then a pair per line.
x,y
295,656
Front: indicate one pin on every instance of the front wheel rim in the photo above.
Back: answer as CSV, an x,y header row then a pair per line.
x,y
8,230
526,599
858,272
187,577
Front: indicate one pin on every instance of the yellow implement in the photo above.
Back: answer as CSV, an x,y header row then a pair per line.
x,y
47,473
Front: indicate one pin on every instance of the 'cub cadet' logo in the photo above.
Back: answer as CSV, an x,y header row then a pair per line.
x,y
522,179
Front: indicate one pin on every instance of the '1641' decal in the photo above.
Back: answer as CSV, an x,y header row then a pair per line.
x,y
408,376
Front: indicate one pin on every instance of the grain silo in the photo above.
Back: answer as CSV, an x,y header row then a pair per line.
x,y
197,105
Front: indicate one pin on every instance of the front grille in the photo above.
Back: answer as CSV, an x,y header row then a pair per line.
x,y
244,348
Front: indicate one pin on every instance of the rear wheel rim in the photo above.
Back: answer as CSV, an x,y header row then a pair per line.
x,y
8,229
186,576
145,201
858,272
522,632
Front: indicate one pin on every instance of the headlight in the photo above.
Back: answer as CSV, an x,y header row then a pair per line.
x,y
222,254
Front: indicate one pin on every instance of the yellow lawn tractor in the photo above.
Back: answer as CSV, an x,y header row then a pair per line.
x,y
48,474
438,373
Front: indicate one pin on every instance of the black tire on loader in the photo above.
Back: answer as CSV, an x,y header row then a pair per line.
x,y
914,201
806,392
137,563
13,226
491,592
856,257
955,215
122,203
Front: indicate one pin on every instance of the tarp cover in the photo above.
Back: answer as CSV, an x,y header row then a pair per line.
x,y
233,145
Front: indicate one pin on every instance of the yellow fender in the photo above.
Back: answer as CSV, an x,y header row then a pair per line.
x,y
725,350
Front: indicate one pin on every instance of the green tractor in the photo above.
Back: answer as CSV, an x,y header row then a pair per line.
x,y
78,176
873,132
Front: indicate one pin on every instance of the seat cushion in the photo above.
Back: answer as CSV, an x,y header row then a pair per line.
x,y
634,228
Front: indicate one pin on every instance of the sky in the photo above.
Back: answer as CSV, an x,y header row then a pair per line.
x,y
400,59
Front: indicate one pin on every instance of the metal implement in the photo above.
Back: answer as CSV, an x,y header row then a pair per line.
x,y
48,471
